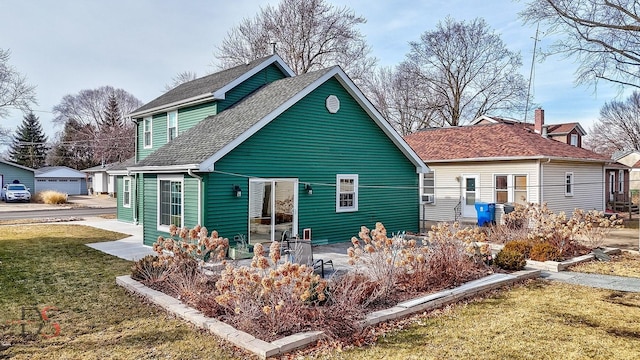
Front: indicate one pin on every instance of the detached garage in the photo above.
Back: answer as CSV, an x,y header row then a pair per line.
x,y
62,179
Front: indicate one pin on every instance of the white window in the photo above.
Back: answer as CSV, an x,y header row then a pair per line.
x,y
428,187
620,181
170,200
126,192
146,125
511,188
574,139
568,182
346,192
172,125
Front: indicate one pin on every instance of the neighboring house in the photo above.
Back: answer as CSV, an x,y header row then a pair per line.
x,y
61,179
101,182
568,133
254,150
632,160
504,163
11,172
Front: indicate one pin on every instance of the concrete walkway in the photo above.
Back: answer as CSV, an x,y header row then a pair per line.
x,y
618,283
131,248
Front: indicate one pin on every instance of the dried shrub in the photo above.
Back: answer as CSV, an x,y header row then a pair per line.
x,y
149,270
387,259
544,251
510,259
51,197
520,246
271,298
191,243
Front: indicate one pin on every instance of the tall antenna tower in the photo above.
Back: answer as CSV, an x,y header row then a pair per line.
x,y
533,61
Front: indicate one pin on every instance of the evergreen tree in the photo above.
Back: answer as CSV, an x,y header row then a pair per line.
x,y
74,147
29,143
115,139
111,113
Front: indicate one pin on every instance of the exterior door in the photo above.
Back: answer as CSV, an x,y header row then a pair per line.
x,y
612,186
273,207
469,195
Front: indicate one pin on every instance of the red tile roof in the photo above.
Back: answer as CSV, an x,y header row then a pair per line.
x,y
492,142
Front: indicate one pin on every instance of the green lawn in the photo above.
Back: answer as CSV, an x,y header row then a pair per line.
x,y
49,265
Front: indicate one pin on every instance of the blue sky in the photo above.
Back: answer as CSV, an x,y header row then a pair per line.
x,y
66,46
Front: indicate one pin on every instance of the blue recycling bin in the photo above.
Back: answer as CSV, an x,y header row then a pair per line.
x,y
486,213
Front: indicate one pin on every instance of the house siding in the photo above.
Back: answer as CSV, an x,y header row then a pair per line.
x,y
448,188
9,173
124,214
588,192
150,198
308,143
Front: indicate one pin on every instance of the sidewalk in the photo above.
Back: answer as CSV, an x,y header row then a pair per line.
x,y
131,248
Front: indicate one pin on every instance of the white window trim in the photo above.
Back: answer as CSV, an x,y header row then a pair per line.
x,y
124,181
571,137
144,132
620,181
572,183
354,177
168,116
175,178
511,187
422,187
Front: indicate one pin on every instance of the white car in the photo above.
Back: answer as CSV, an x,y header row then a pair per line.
x,y
15,192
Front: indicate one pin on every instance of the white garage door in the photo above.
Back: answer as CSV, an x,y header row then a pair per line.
x,y
67,186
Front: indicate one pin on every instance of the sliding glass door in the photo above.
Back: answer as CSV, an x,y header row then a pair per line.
x,y
272,209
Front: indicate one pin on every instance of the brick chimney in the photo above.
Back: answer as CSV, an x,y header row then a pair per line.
x,y
539,120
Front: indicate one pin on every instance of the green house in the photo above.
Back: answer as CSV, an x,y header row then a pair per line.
x,y
257,151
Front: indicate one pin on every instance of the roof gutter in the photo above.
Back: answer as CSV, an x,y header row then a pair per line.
x,y
163,169
541,157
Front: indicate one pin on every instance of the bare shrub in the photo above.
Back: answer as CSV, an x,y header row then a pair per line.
x,y
149,270
191,243
270,298
51,197
449,264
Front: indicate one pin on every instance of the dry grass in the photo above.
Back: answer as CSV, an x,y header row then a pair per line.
x,y
50,197
541,320
625,264
49,265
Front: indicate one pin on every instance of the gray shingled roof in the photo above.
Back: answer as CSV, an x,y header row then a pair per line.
x,y
214,132
201,86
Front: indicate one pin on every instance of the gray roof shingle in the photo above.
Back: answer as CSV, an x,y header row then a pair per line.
x,y
201,86
215,132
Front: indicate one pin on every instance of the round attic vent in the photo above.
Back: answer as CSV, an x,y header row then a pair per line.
x,y
333,104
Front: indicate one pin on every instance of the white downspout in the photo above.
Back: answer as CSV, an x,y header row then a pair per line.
x,y
190,172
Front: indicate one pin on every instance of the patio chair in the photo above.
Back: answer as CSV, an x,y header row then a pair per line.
x,y
301,252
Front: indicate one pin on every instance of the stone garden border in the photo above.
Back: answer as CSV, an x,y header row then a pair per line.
x,y
283,345
557,266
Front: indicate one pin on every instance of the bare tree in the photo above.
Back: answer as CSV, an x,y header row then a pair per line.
x,y
180,79
468,72
603,35
308,35
618,127
14,90
87,110
400,98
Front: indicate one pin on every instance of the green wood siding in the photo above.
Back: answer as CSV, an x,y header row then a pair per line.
x,y
10,173
150,215
309,143
269,74
123,213
187,118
